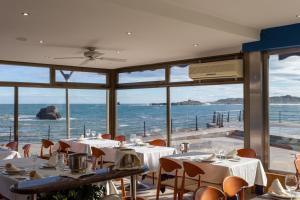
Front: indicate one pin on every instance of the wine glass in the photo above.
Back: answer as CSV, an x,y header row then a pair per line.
x,y
88,132
34,157
93,134
291,183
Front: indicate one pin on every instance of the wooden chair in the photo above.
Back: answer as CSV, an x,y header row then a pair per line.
x,y
120,138
46,144
12,145
168,165
26,150
209,193
193,181
97,154
247,153
158,142
234,185
106,136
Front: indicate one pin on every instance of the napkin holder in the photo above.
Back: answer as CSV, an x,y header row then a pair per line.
x,y
127,159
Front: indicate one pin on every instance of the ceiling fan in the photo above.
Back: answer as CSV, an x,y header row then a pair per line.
x,y
91,54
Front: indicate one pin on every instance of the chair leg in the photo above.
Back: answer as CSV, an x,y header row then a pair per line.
x,y
175,194
158,190
123,188
153,174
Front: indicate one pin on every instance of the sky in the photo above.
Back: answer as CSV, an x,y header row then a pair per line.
x,y
284,80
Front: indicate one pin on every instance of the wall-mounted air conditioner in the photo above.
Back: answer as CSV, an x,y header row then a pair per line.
x,y
216,70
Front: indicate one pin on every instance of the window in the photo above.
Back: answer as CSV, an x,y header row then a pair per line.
x,y
6,114
284,107
180,73
87,109
209,118
16,73
142,112
80,77
142,76
32,128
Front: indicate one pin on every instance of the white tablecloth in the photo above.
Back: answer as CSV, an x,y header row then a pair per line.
x,y
6,154
84,146
249,169
149,155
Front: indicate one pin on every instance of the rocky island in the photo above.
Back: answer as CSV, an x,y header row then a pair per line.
x,y
287,99
50,113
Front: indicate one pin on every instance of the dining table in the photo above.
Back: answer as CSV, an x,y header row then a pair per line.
x,y
148,154
20,187
250,169
6,153
83,145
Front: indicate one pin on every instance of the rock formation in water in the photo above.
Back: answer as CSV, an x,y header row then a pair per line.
x,y
50,112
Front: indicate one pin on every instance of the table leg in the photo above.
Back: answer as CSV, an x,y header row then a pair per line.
x,y
133,187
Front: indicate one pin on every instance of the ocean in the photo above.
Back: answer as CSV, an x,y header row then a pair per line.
x,y
137,119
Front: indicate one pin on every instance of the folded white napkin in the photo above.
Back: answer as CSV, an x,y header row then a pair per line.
x,y
277,188
99,136
53,159
81,137
35,175
11,167
232,153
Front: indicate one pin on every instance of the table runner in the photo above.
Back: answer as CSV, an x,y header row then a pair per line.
x,y
249,169
6,181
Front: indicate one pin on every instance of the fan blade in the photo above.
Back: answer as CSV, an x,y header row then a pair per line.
x,y
70,58
112,59
85,62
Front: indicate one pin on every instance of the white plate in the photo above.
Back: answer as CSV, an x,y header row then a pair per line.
x,y
295,195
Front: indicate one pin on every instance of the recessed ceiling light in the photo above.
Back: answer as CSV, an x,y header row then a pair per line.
x,y
195,45
298,16
25,13
118,52
41,41
129,33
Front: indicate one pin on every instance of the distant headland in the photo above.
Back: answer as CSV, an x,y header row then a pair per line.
x,y
287,99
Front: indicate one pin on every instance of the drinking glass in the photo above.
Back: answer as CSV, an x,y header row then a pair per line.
x,y
291,183
132,138
93,133
88,132
34,157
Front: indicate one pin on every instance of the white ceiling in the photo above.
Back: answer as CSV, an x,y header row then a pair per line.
x,y
163,30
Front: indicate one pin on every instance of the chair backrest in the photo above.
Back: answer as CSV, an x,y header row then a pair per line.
x,y
26,150
158,142
46,144
106,136
169,165
120,138
233,185
209,193
191,169
12,145
297,166
63,146
247,153
97,154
